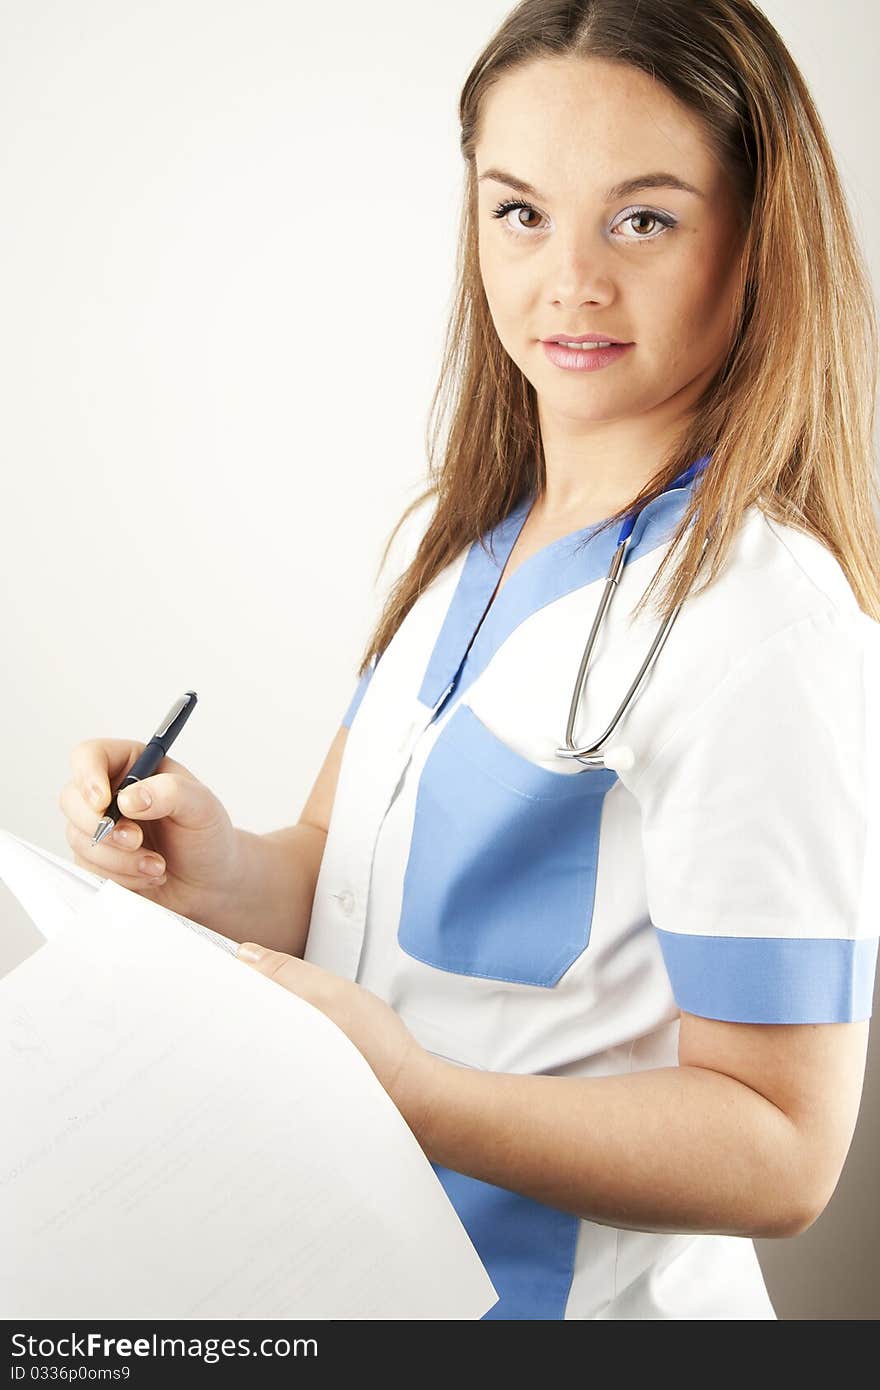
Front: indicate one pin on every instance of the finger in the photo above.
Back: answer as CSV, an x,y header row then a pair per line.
x,y
120,864
311,982
98,762
275,964
186,800
252,953
134,885
128,835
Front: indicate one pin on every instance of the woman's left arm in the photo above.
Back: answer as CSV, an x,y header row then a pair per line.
x,y
747,1136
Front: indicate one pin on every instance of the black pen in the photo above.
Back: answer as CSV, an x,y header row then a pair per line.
x,y
150,759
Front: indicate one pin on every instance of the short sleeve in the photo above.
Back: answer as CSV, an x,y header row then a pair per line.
x,y
759,832
400,556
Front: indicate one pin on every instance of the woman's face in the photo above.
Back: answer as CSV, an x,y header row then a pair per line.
x,y
653,266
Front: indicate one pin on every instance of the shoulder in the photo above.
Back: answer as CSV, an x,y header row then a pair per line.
x,y
778,586
775,650
804,561
797,592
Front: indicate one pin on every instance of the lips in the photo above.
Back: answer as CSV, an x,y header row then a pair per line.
x,y
584,338
584,359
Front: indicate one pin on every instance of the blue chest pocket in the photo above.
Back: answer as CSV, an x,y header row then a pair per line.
x,y
501,874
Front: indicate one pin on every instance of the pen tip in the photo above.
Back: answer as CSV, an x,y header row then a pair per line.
x,y
103,828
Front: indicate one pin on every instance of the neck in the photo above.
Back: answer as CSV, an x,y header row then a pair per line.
x,y
592,470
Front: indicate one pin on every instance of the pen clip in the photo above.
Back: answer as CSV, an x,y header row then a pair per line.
x,y
172,714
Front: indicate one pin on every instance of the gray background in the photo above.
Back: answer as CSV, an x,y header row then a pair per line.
x,y
227,250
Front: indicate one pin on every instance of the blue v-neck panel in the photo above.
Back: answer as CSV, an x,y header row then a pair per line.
x,y
476,584
556,570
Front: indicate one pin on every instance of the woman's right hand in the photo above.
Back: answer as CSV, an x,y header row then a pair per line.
x,y
186,829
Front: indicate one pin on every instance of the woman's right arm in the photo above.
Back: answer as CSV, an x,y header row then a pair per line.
x,y
279,870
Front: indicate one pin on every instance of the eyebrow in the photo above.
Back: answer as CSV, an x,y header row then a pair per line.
x,y
618,190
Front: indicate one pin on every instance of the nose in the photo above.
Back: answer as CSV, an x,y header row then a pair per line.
x,y
579,270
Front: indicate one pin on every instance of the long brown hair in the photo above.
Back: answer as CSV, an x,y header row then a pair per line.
x,y
789,415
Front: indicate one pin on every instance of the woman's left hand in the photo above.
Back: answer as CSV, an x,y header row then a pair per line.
x,y
399,1061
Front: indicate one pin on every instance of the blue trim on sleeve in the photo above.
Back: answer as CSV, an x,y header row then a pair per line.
x,y
359,693
771,979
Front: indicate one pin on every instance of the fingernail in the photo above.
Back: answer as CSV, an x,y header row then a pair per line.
x,y
248,951
134,799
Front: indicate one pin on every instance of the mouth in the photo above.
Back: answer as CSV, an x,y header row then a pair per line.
x,y
594,339
588,356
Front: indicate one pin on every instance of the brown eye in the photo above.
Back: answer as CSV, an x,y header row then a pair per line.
x,y
531,212
661,221
503,209
645,216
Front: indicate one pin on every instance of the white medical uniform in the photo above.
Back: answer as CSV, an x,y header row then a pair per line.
x,y
525,914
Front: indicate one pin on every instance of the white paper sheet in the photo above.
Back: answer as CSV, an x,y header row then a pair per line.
x,y
52,890
184,1138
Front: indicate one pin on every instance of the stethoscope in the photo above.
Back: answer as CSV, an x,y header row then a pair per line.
x,y
620,758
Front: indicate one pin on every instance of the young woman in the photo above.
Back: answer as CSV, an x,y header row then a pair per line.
x,y
621,999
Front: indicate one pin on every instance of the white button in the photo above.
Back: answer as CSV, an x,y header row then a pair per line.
x,y
346,902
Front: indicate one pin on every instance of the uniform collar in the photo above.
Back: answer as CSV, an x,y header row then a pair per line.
x,y
558,568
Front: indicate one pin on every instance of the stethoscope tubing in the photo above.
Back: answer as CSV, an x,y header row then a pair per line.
x,y
590,755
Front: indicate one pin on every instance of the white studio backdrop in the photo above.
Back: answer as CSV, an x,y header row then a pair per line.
x,y
226,260
227,252
227,255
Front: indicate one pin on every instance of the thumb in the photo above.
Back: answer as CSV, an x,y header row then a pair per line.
x,y
278,966
251,952
289,971
185,800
